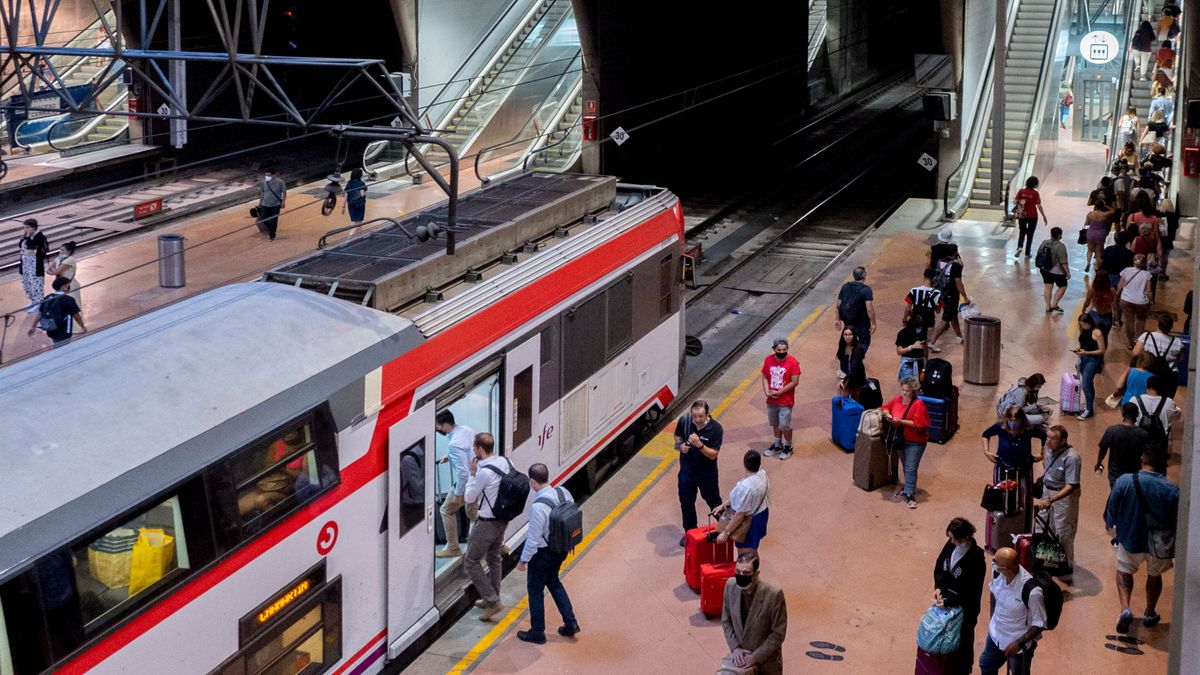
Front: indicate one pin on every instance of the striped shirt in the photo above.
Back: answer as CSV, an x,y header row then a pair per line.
x,y
924,298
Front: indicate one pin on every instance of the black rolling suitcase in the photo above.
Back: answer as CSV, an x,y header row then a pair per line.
x,y
870,395
439,532
943,416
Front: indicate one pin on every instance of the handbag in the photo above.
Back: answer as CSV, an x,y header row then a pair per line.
x,y
893,439
940,630
1002,497
254,212
1082,236
728,668
738,534
1161,540
1048,550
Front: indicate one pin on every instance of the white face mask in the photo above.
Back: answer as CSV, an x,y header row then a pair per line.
x,y
268,178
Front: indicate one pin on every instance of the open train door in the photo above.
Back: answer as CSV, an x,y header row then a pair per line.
x,y
525,435
410,563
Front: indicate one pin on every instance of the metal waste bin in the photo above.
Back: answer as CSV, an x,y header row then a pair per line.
x,y
170,261
981,358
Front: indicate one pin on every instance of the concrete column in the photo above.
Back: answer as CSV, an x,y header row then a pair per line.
x,y
1188,81
1185,649
586,20
953,27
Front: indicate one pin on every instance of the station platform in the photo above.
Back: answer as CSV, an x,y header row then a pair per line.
x,y
25,171
856,566
120,277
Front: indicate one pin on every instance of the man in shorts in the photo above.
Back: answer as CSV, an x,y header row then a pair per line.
x,y
1135,499
780,375
1055,269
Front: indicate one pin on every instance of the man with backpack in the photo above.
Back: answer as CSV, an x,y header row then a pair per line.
x,y
856,307
1143,507
923,302
1155,413
60,314
1023,606
500,491
1052,261
548,540
947,280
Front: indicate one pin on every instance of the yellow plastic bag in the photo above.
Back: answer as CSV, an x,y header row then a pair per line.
x,y
110,569
153,556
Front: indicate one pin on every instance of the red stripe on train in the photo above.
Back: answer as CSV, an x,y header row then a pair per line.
x,y
400,380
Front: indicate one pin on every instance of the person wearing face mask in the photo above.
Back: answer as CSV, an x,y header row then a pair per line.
x,y
780,375
754,617
64,266
1062,467
958,577
272,199
1014,435
459,453
1015,625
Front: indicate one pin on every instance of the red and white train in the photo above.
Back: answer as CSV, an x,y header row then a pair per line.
x,y
246,481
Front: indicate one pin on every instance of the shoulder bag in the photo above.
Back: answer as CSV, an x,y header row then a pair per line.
x,y
893,440
738,534
940,630
1038,487
1161,539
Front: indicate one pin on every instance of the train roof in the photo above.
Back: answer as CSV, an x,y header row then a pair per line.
x,y
144,404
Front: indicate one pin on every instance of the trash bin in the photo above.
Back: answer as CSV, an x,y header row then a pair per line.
x,y
170,261
981,358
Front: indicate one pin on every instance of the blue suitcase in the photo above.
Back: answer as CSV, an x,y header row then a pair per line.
x,y
943,416
846,414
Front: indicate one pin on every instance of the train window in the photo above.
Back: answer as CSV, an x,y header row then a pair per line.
x,y
146,551
273,477
666,285
620,316
549,380
583,342
301,633
522,406
412,487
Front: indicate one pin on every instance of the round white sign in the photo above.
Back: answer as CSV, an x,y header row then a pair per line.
x,y
1099,47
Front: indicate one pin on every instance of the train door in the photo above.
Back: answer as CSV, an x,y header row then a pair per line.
x,y
410,564
521,377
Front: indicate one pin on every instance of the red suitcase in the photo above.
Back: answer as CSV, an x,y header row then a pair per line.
x,y
1025,551
712,587
931,664
699,552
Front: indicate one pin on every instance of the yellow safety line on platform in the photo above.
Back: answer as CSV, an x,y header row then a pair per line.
x,y
661,446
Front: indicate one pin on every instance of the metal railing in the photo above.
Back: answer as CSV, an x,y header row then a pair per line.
x,y
966,168
1125,84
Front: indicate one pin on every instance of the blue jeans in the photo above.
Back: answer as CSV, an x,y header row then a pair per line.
x,y
1089,367
993,658
911,458
910,367
1063,111
542,575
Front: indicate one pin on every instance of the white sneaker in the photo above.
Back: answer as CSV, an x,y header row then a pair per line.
x,y
958,341
934,348
33,308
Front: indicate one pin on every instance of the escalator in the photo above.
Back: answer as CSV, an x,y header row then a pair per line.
x,y
817,26
496,104
101,125
1030,50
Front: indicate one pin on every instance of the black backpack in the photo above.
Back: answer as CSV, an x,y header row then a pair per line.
x,y
564,527
1051,593
50,316
939,379
942,281
1161,366
1044,260
1153,423
512,493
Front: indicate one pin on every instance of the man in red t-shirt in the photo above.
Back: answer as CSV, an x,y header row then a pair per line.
x,y
1028,203
781,374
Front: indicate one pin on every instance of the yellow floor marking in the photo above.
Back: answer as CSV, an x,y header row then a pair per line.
x,y
663,446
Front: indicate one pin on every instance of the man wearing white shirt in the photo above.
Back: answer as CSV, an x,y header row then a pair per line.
x,y
487,536
542,564
1014,627
1149,402
462,440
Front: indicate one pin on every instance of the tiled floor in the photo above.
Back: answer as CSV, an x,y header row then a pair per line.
x,y
856,566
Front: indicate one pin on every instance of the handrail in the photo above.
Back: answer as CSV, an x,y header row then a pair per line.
x,y
983,114
487,67
1125,84
454,78
1041,94
87,128
559,114
566,137
321,243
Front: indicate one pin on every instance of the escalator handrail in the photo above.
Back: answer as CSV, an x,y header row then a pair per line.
x,y
983,114
98,118
534,8
1125,84
1041,94
564,139
559,114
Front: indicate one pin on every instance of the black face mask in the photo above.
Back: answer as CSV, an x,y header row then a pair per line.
x,y
781,356
744,580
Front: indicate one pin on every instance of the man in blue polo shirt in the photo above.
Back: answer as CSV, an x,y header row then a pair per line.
x,y
698,439
1137,498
